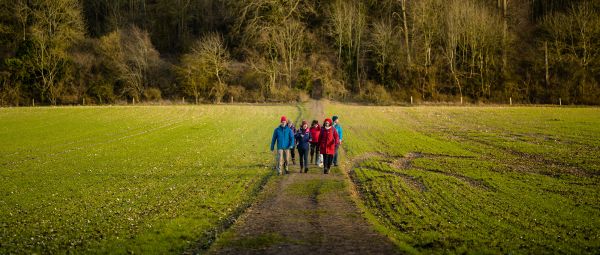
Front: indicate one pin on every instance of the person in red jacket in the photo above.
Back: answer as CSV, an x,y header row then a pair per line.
x,y
315,130
328,140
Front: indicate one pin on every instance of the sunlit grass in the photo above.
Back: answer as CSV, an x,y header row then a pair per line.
x,y
128,179
478,179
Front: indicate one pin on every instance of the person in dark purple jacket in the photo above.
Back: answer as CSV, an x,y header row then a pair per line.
x,y
302,139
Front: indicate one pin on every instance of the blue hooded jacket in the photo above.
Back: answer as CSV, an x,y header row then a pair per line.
x,y
338,127
284,137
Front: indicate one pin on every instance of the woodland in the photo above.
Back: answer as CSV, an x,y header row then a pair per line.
x,y
73,52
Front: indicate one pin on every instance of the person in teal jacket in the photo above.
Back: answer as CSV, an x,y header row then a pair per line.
x,y
284,137
338,127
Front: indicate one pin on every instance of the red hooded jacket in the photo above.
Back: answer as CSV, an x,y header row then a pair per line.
x,y
328,139
314,134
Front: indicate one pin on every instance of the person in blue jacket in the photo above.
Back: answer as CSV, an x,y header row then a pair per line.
x,y
338,127
302,143
284,137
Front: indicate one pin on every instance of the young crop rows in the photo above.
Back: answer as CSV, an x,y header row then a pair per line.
x,y
128,179
169,179
483,180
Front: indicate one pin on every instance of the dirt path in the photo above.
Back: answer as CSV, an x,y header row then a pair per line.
x,y
304,214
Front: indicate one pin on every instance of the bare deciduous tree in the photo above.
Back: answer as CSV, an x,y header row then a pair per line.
x,y
193,76
405,30
206,66
473,45
289,42
274,39
454,26
384,47
212,51
348,24
575,42
427,33
133,57
22,12
56,26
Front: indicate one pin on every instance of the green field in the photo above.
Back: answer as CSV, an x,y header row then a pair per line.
x,y
478,179
128,179
165,179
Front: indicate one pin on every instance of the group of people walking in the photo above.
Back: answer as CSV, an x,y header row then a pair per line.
x,y
320,143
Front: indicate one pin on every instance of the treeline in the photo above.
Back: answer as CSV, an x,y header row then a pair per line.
x,y
112,51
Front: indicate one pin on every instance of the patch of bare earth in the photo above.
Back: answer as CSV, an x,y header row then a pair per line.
x,y
304,213
319,221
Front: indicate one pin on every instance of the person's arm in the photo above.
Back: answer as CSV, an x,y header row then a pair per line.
x,y
273,140
321,138
340,133
293,140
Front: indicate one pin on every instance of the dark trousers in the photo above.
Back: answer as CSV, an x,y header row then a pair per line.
x,y
292,151
328,159
335,156
303,155
314,153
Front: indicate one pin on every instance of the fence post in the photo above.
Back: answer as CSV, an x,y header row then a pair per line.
x,y
560,101
510,100
411,100
33,102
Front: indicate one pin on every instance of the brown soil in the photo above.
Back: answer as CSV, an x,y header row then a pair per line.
x,y
304,213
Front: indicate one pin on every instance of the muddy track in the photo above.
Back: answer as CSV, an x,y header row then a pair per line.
x,y
302,213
